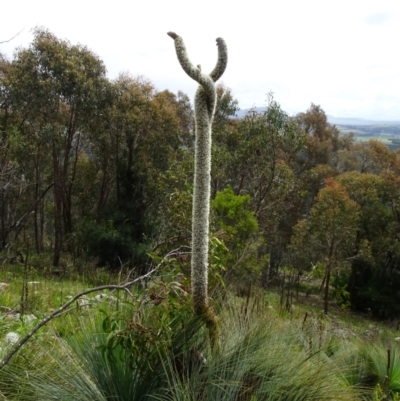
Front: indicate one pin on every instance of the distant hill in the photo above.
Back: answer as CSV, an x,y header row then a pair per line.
x,y
385,131
345,121
242,113
359,121
371,129
389,134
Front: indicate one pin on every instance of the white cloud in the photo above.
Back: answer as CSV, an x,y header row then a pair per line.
x,y
380,18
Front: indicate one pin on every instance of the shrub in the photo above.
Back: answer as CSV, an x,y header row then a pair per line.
x,y
236,225
107,244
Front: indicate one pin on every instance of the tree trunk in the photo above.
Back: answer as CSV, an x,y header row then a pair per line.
x,y
58,212
328,279
36,213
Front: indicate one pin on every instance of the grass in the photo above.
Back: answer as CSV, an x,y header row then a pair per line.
x,y
255,362
265,353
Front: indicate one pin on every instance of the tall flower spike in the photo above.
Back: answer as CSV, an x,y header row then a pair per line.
x,y
204,105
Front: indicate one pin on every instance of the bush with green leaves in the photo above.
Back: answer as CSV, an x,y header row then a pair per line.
x,y
236,225
104,242
160,312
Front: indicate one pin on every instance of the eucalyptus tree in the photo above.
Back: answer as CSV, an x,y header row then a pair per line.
x,y
56,86
13,184
256,157
224,129
373,276
328,235
139,135
322,138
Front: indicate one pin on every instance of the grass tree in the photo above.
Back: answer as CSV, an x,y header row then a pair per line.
x,y
205,102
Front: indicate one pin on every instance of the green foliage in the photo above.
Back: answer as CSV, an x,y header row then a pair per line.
x,y
217,266
251,366
237,226
322,139
226,108
378,292
84,372
342,296
373,281
262,357
380,395
112,247
381,370
177,264
329,234
149,347
233,215
330,231
115,352
162,312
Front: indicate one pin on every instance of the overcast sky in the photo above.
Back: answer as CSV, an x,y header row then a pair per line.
x,y
343,55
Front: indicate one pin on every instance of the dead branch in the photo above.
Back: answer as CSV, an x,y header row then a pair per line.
x,y
62,309
9,40
18,223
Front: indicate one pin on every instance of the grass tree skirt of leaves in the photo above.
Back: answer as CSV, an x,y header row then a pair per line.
x,y
159,350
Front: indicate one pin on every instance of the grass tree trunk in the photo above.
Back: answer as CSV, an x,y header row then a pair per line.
x,y
204,104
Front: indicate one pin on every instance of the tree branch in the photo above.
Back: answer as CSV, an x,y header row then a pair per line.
x,y
62,309
9,40
21,220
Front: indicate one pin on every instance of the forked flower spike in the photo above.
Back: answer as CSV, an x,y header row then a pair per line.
x,y
204,105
